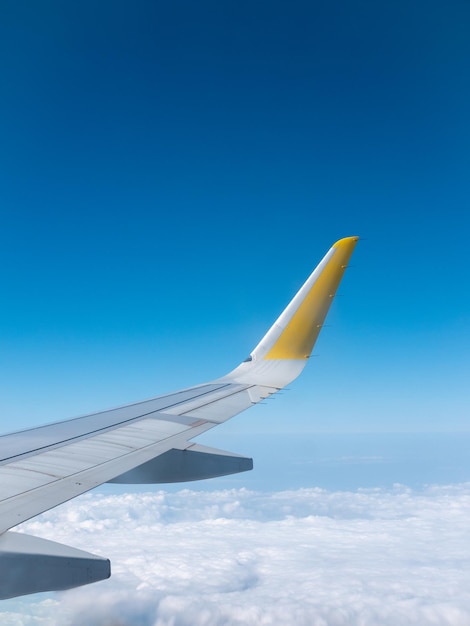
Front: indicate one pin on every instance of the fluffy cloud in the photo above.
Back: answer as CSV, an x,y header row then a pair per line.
x,y
307,557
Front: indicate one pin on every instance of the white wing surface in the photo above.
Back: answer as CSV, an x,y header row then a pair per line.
x,y
145,442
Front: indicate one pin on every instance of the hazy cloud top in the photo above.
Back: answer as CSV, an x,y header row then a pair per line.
x,y
306,557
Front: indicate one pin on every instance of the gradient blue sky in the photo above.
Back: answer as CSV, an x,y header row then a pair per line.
x,y
172,172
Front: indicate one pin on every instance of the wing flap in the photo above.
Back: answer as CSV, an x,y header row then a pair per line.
x,y
194,463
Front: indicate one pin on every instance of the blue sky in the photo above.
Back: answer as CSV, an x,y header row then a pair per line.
x,y
171,173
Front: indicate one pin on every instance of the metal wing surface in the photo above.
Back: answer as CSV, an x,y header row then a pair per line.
x,y
146,442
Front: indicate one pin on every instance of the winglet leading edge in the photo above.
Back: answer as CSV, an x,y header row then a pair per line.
x,y
282,353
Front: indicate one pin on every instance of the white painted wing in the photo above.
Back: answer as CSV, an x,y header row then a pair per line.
x,y
43,467
46,466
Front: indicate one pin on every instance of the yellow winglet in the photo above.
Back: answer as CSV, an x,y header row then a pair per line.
x,y
295,332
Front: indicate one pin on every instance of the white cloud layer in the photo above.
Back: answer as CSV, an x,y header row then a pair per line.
x,y
230,558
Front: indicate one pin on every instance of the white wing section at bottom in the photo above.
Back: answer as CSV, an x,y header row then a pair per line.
x,y
149,441
30,564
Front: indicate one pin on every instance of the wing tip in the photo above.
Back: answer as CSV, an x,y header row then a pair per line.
x,y
346,241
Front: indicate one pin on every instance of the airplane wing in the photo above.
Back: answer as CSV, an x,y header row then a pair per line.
x,y
145,442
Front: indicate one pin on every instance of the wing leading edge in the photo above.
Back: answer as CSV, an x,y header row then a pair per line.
x,y
148,442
